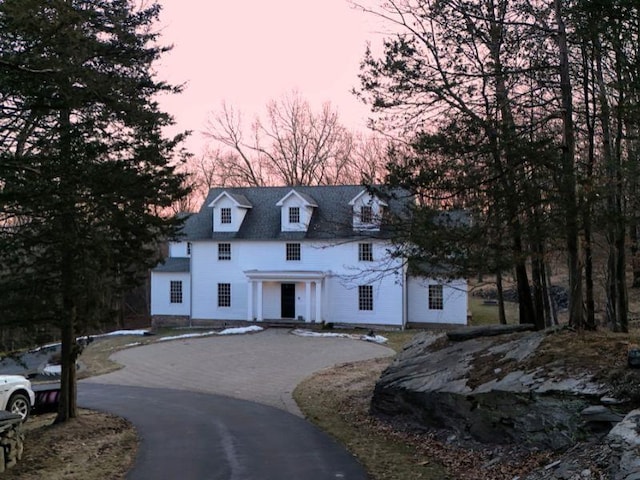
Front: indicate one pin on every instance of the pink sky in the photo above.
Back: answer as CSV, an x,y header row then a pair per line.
x,y
248,52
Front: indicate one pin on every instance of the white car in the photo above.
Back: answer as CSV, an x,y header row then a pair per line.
x,y
16,395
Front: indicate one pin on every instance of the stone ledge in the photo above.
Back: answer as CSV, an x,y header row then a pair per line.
x,y
11,440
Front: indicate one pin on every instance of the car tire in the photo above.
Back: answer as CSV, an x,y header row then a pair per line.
x,y
19,404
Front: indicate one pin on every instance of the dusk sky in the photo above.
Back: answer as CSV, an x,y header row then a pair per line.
x,y
248,52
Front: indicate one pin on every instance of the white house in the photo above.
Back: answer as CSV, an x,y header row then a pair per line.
x,y
307,254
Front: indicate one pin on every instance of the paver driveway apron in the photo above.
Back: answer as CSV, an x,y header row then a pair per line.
x,y
263,367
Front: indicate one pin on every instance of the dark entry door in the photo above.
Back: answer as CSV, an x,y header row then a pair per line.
x,y
288,300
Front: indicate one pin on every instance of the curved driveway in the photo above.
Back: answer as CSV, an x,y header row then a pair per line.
x,y
190,429
262,367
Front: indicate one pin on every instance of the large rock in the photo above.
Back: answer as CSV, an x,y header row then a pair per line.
x,y
478,389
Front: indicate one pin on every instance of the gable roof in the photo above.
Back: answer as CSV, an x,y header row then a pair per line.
x,y
237,198
332,219
304,197
361,194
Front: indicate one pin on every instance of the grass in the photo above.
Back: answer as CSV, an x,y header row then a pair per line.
x,y
482,314
92,446
337,401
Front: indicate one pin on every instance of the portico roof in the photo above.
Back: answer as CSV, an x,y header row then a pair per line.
x,y
285,275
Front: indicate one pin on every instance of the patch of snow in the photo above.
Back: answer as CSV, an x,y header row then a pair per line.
x,y
134,344
186,335
367,338
374,338
45,347
52,369
239,330
308,333
122,332
226,331
84,337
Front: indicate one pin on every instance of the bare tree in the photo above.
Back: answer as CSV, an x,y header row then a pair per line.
x,y
291,145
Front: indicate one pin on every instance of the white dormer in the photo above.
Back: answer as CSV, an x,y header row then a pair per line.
x,y
229,210
296,210
367,211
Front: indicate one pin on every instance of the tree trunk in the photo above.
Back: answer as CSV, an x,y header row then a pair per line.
x,y
587,63
616,268
568,177
537,277
67,400
525,302
501,313
67,407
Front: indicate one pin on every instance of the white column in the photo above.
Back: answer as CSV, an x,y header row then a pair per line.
x,y
307,310
318,301
250,301
260,301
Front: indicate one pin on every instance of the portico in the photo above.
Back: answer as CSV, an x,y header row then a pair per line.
x,y
281,294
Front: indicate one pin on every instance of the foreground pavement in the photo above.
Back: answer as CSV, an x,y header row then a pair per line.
x,y
178,395
196,436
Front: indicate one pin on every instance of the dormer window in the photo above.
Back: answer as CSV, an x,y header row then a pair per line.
x,y
228,211
225,215
366,214
294,214
296,210
367,211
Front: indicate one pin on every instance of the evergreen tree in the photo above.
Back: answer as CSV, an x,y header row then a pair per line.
x,y
85,170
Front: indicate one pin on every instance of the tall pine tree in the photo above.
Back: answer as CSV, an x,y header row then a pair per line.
x,y
85,170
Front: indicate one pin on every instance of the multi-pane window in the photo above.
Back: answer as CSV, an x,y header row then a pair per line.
x,y
225,215
175,291
224,251
224,294
365,252
293,251
436,297
365,297
366,214
294,214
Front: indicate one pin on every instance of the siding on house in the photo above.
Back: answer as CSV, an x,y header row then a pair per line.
x,y
327,276
454,294
161,294
339,293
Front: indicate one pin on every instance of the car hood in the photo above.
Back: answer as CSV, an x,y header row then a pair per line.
x,y
14,379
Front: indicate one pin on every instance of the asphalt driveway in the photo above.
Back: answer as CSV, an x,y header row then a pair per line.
x,y
220,408
263,367
196,436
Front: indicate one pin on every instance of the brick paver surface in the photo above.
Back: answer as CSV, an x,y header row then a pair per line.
x,y
263,367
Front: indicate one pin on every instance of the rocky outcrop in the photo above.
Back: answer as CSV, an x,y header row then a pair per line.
x,y
616,457
478,389
11,440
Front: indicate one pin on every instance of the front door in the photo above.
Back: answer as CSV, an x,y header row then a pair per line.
x,y
288,300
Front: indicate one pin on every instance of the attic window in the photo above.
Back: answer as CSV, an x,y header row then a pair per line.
x,y
366,214
294,214
225,215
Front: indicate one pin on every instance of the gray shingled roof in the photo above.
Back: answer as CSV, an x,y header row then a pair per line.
x,y
173,264
331,219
